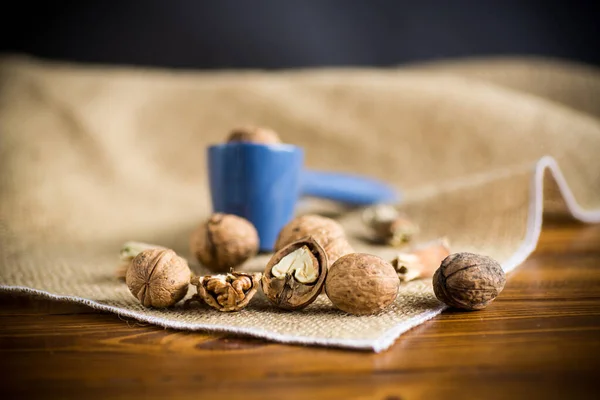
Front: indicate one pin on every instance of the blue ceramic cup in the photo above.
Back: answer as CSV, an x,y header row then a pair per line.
x,y
263,183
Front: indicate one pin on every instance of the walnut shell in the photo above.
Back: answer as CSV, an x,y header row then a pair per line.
x,y
361,284
158,278
337,248
468,281
254,134
322,229
230,292
421,262
389,226
288,292
395,232
224,241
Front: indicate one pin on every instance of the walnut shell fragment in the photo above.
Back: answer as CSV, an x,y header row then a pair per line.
x,y
396,232
389,226
254,134
468,281
224,241
158,278
361,284
421,262
295,275
327,232
228,292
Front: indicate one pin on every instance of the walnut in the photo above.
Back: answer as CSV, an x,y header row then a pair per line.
x,y
224,241
389,226
468,281
361,284
158,278
229,292
421,262
327,232
337,248
128,252
254,134
295,275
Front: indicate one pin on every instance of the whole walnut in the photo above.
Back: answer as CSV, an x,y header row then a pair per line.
x,y
254,134
468,281
361,284
158,277
328,233
337,248
224,241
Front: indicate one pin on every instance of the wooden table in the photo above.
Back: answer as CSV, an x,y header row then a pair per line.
x,y
540,339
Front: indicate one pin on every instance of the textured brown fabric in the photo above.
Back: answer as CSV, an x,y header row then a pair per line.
x,y
93,157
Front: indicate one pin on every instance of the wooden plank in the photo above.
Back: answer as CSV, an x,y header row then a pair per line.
x,y
541,338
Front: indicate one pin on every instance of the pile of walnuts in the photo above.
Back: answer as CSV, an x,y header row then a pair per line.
x,y
312,255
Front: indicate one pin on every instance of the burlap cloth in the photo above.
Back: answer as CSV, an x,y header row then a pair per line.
x,y
92,157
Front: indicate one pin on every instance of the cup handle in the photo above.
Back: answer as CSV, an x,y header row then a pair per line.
x,y
346,188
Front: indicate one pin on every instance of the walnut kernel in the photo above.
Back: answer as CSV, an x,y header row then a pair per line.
x,y
228,292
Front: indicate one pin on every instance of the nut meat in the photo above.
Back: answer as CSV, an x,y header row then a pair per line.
x,y
295,274
468,281
158,278
230,292
361,284
223,242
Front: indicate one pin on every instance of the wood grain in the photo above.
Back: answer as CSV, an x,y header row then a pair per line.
x,y
540,339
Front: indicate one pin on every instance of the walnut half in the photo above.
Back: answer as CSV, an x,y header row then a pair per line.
x,y
295,274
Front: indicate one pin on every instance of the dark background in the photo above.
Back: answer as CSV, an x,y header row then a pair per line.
x,y
289,33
